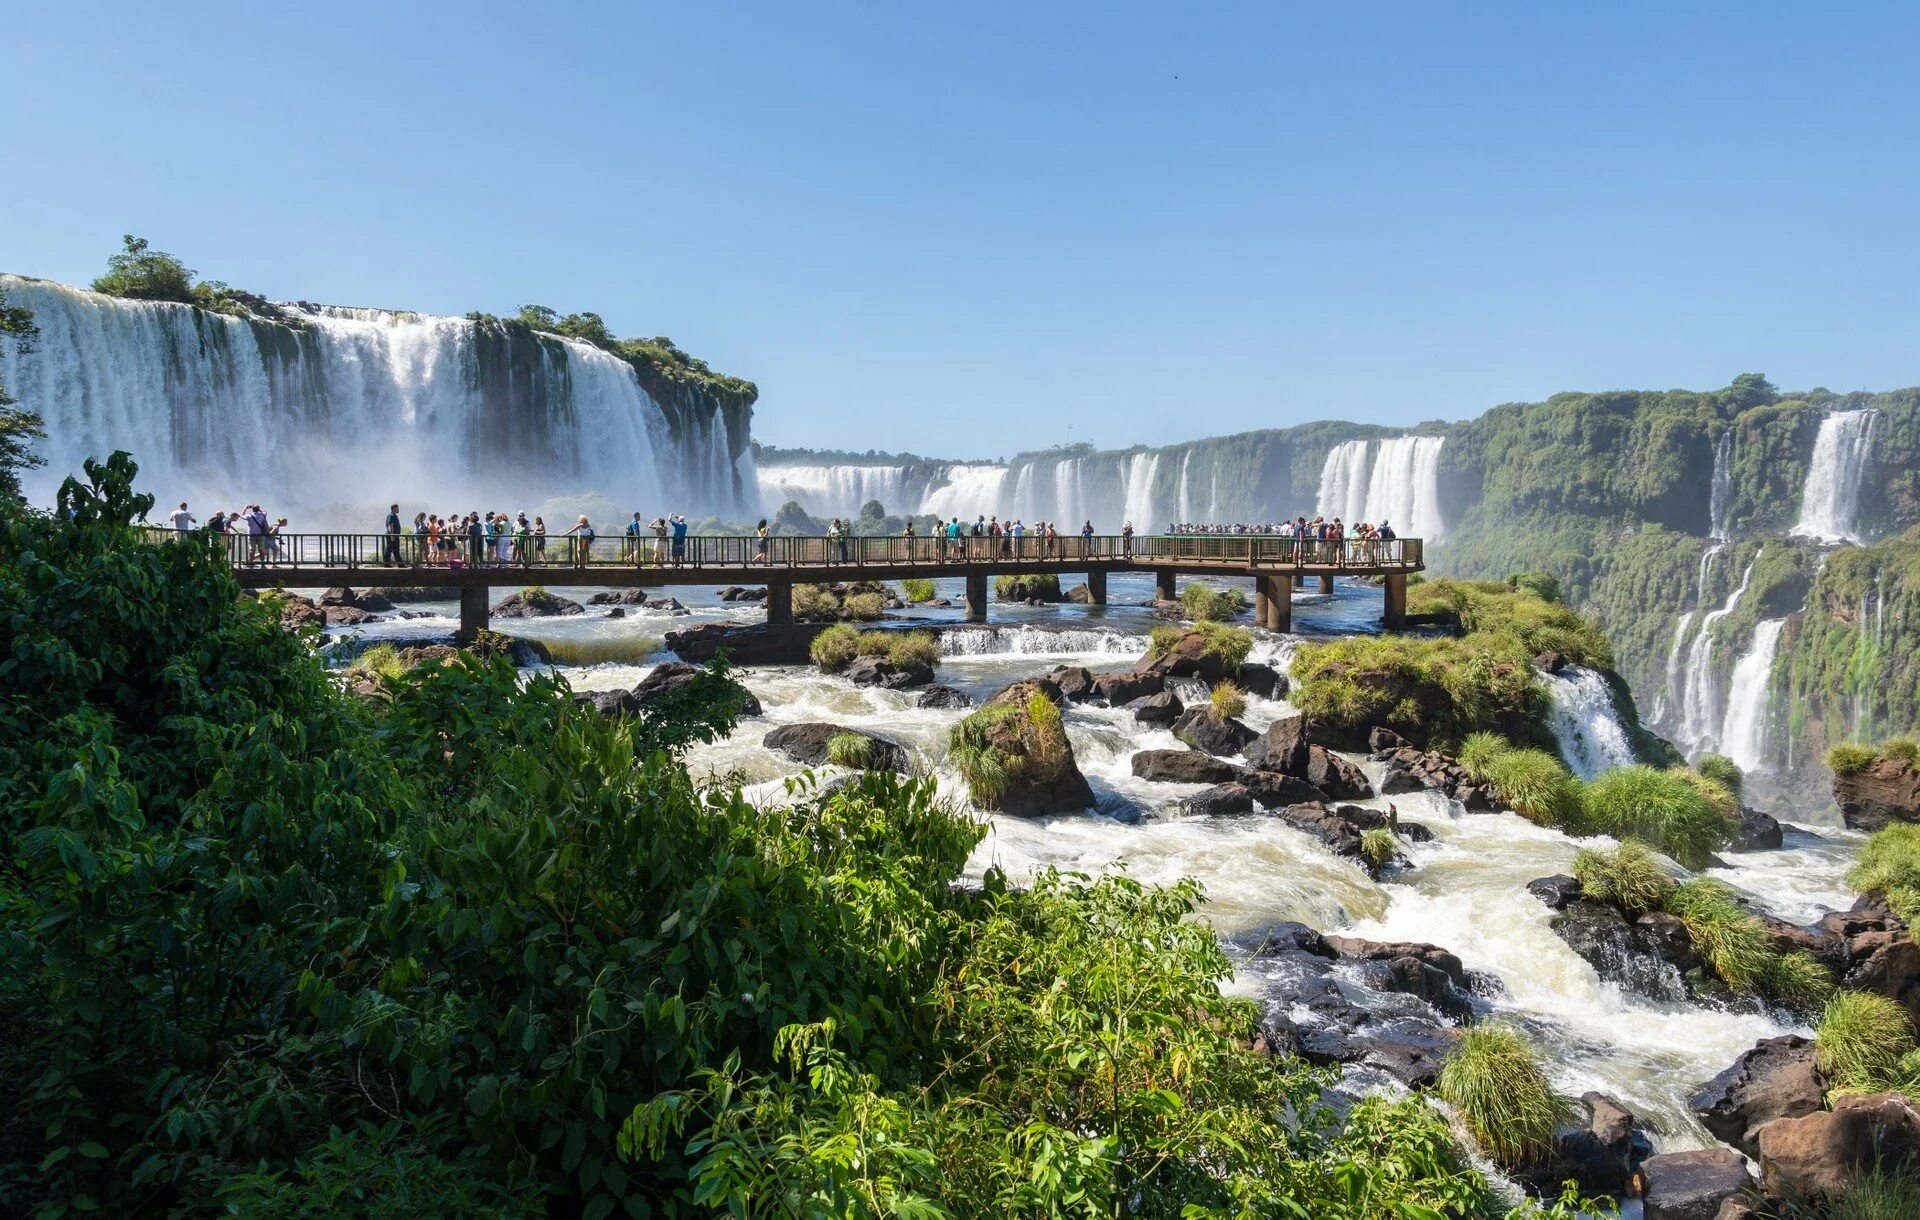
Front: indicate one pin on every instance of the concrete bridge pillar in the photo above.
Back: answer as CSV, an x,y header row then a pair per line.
x,y
1395,615
976,597
1097,587
779,601
1163,586
1277,594
475,613
1299,580
1326,585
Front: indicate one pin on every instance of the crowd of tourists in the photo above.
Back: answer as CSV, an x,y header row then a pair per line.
x,y
256,537
1319,529
495,540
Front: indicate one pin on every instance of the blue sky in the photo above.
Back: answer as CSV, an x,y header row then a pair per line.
x,y
972,229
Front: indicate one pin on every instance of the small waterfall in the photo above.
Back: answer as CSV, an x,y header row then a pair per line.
x,y
1698,707
1720,497
1842,451
1400,485
1584,722
969,491
1139,508
1039,642
1743,737
1186,506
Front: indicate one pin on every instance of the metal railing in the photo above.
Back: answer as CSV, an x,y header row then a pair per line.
x,y
349,552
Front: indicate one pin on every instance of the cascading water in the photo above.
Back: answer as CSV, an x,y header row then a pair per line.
x,y
1720,494
1585,722
1743,736
1698,707
348,407
968,491
833,491
1400,485
1842,452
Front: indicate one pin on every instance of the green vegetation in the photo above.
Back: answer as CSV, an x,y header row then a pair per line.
x,y
1478,752
1203,603
1041,587
1229,644
1535,785
1889,867
141,273
18,428
1723,771
918,589
657,356
835,648
864,607
1849,759
1378,847
855,750
1861,1041
1516,611
862,601
1226,701
1731,942
1877,1194
1021,737
1667,809
1494,1078
382,661
1628,877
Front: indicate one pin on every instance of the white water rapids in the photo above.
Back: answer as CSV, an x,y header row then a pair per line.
x,y
1585,722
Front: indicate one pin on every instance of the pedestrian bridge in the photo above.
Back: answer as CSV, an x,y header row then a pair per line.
x,y
1276,564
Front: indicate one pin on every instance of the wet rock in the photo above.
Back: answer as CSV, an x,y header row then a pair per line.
x,y
1820,1155
1692,1185
1199,728
806,744
1621,952
671,604
943,696
1282,747
1262,680
1043,777
1827,948
1287,936
650,692
628,597
1074,681
1383,740
1886,962
1885,790
1272,790
1758,832
1120,689
1184,767
1410,1049
1187,657
1160,710
1019,692
1221,800
1600,1155
1080,595
1778,1078
538,605
1549,662
339,597
758,644
1338,827
879,671
1426,971
1336,777
343,616
1411,770
1558,891
617,612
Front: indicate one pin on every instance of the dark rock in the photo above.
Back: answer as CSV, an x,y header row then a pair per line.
x,y
1821,1155
1049,780
1199,728
1187,657
1262,680
1118,690
1758,832
341,616
1692,1185
1411,770
1080,595
1558,891
1019,692
1221,800
1825,947
879,671
1272,790
1885,790
371,601
339,597
1383,740
939,695
1287,936
617,612
1336,777
1603,936
1778,1078
806,744
1160,710
1426,971
1074,681
297,612
1282,747
1410,1049
549,605
1340,833
1184,767
624,597
1601,1155
1886,962
666,603
666,680
759,644
1549,662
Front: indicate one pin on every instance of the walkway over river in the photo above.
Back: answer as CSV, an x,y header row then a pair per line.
x,y
1275,563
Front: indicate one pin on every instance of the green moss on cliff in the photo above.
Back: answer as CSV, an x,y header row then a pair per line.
x,y
1851,662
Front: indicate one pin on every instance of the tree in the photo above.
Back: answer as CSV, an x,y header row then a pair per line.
x,y
872,510
539,317
145,274
18,428
1752,390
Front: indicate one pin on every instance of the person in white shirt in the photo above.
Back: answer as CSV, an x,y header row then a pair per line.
x,y
181,518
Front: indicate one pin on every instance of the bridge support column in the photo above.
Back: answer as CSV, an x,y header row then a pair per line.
x,y
1326,585
1277,593
1260,599
976,597
779,601
1299,580
1097,588
474,613
1395,615
1163,586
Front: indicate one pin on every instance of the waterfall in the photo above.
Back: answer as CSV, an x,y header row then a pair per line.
x,y
1584,722
1698,705
353,407
1186,506
1830,502
835,491
967,491
1743,737
1038,642
1401,484
1720,495
1139,507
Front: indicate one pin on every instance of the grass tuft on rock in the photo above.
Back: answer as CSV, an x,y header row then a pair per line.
x,y
1861,1039
1731,942
1378,847
1535,785
854,750
1628,877
1495,1079
1204,603
1723,771
1227,701
1668,809
1889,867
1478,752
1848,758
917,589
835,648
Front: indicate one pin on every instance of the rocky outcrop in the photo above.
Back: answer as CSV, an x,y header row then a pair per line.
x,y
1221,800
1692,1185
807,744
893,675
1600,1154
665,681
1120,689
1777,1079
760,644
623,597
1271,790
1427,971
529,603
734,593
1411,770
1282,747
1188,657
1821,1155
1201,729
1650,956
1262,680
1758,832
370,600
1874,951
1159,710
1336,777
1184,767
1036,758
942,696
1074,681
1885,790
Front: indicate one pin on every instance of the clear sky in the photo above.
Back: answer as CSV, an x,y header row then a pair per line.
x,y
968,229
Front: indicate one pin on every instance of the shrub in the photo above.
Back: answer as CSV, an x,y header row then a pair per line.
x,y
1723,771
1378,847
913,648
918,589
971,750
601,649
1535,785
1227,701
1543,585
1042,586
1230,644
1848,758
1478,752
1494,1078
1713,791
1204,603
1889,866
864,607
1628,877
1731,942
1861,1038
855,750
1797,980
873,644
834,649
815,603
1901,749
141,273
381,661
1664,808
1432,690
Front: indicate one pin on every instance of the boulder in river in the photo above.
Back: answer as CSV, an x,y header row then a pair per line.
x,y
810,743
1758,832
345,616
943,696
1221,800
1201,729
1282,747
1885,790
1263,680
1159,710
1427,971
758,644
1822,1155
1411,770
1189,656
1336,777
666,680
1601,1154
1778,1078
537,603
879,671
1184,767
1074,681
1120,689
619,597
1692,1185
1025,761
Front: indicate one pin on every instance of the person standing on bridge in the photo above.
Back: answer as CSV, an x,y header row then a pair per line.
x,y
679,539
760,545
582,532
393,535
540,539
1126,539
1086,539
633,532
181,518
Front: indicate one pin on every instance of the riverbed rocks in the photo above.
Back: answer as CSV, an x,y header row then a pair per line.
x,y
1201,729
1410,968
1120,689
1778,1078
1600,1153
1282,747
1190,656
666,680
1758,832
891,675
1184,767
941,695
1692,1185
1222,800
1335,776
1650,955
1074,681
537,603
370,600
1263,680
1411,770
1159,711
1885,790
1820,1155
807,744
757,644
734,593
1033,753
618,597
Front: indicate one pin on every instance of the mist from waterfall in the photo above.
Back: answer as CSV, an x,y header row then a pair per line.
x,y
1842,453
1396,480
351,407
1743,737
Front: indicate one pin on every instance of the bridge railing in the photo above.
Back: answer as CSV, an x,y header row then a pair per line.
x,y
348,552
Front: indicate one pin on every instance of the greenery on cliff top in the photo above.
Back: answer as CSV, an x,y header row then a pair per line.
x,y
481,951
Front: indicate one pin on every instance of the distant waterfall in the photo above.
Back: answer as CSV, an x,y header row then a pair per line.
x,y
1830,502
353,407
1720,493
1698,708
1743,736
968,491
1396,480
1584,722
834,491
